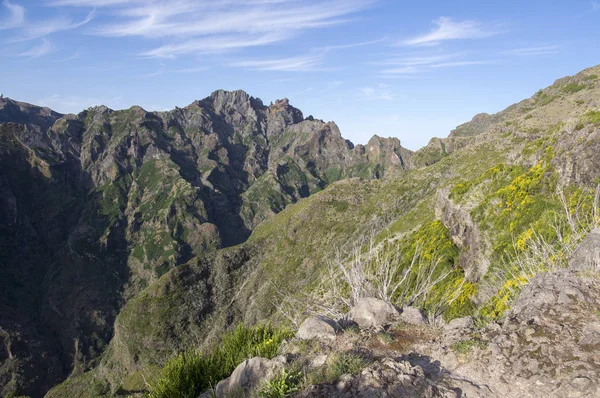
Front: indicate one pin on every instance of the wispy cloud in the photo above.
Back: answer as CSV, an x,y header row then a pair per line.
x,y
192,70
448,29
293,64
197,27
540,50
209,45
402,66
37,29
352,45
306,63
37,51
16,16
460,63
69,58
416,60
378,92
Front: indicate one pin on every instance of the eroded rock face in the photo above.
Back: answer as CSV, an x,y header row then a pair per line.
x,y
392,378
548,344
465,234
248,376
370,312
587,255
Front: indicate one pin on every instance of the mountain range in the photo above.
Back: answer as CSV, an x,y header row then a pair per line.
x,y
128,236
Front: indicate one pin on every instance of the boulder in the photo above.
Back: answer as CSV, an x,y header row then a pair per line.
x,y
413,316
249,375
457,330
370,312
587,254
318,327
459,324
591,335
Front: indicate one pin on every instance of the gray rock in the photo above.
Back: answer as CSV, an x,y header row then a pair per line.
x,y
457,330
248,376
413,316
389,377
370,312
591,335
465,234
587,254
459,323
318,361
321,328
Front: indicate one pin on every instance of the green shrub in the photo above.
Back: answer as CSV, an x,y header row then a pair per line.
x,y
281,386
191,373
593,117
340,363
572,88
466,346
345,363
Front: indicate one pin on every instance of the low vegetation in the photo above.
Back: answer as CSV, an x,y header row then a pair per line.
x,y
191,373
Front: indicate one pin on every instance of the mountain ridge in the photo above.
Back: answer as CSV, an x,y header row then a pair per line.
x,y
140,221
114,199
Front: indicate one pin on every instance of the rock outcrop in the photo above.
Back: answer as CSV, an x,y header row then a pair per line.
x,y
412,316
373,313
587,255
248,376
547,345
321,328
465,234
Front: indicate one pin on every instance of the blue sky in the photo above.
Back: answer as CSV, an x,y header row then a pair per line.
x,y
408,69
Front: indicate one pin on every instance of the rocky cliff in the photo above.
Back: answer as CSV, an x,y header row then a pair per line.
x,y
97,206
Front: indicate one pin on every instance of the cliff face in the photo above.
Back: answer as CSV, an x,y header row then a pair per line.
x,y
97,206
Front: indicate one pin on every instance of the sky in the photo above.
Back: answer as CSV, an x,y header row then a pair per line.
x,y
407,69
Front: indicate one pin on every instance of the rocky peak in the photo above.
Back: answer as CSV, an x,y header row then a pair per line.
x,y
239,100
283,106
387,151
23,113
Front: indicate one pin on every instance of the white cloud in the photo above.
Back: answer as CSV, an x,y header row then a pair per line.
x,y
404,70
43,28
208,45
416,60
16,17
69,58
447,29
293,64
459,63
378,92
192,70
38,51
413,65
540,50
196,27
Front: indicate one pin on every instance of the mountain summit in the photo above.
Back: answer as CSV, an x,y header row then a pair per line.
x,y
97,206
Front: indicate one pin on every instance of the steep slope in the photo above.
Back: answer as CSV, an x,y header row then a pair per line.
x,y
493,186
141,211
97,206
